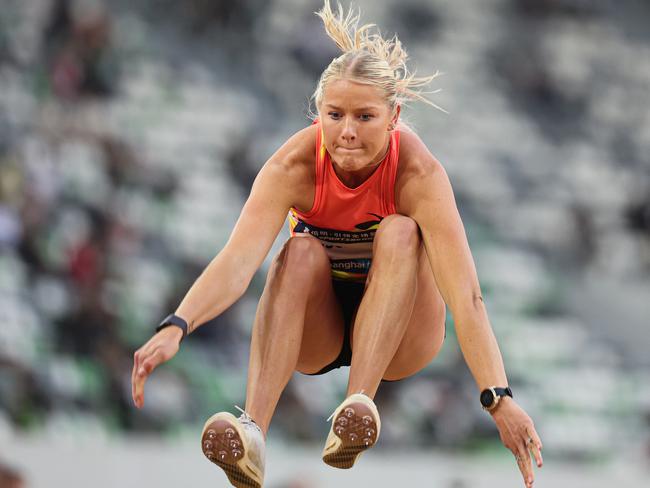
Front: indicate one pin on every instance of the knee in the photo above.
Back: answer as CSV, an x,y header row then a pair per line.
x,y
302,255
398,233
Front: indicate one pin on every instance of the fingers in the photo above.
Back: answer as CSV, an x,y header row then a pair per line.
x,y
525,465
535,446
144,363
137,379
518,434
136,365
161,347
532,444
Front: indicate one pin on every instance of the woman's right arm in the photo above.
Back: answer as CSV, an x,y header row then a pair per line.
x,y
228,275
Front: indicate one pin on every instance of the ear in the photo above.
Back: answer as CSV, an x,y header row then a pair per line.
x,y
394,118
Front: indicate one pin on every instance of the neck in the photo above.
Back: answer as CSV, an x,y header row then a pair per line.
x,y
383,154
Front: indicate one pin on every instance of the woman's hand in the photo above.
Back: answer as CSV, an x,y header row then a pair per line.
x,y
519,435
160,348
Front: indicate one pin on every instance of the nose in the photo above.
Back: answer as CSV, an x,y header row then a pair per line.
x,y
349,132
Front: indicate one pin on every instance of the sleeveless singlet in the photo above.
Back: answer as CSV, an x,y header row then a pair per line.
x,y
345,219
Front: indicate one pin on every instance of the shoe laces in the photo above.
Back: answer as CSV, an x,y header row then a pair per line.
x,y
246,419
255,437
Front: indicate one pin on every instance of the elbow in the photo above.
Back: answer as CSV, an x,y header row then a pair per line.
x,y
242,284
477,301
469,307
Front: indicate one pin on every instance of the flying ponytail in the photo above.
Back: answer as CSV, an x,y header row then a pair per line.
x,y
370,59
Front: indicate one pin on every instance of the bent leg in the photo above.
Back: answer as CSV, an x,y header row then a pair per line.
x,y
386,307
298,291
425,331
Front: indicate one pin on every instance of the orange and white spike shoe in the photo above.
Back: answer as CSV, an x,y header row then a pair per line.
x,y
237,446
355,428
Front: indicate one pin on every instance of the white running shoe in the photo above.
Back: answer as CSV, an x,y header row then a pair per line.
x,y
355,428
237,446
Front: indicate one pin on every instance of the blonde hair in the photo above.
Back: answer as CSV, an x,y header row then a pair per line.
x,y
370,59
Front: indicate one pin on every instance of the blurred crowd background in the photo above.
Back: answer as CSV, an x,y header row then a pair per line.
x,y
130,133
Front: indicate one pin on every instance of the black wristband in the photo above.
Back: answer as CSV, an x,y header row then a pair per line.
x,y
172,319
507,391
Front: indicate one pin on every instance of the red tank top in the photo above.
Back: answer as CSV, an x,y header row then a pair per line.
x,y
345,219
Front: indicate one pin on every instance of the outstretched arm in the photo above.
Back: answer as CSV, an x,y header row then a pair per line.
x,y
425,194
228,275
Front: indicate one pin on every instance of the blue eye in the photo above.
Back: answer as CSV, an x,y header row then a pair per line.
x,y
334,115
365,117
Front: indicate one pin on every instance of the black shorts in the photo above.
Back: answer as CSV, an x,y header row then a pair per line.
x,y
349,295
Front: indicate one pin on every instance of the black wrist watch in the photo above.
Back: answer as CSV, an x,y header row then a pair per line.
x,y
172,319
490,397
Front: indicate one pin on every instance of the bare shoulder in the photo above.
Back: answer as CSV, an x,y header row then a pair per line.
x,y
291,169
418,173
296,156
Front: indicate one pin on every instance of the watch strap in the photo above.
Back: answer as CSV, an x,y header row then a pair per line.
x,y
172,319
503,391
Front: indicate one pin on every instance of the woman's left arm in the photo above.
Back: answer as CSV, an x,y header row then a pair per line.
x,y
424,193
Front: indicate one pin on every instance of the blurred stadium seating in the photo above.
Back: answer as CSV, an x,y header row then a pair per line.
x,y
130,135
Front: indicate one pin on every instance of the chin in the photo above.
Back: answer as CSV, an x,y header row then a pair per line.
x,y
349,164
356,160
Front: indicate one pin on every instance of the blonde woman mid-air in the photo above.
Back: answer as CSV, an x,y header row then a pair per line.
x,y
360,189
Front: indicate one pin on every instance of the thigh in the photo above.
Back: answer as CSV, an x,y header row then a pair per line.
x,y
323,332
302,266
426,329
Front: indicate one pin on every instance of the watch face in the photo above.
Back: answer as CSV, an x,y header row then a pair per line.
x,y
487,398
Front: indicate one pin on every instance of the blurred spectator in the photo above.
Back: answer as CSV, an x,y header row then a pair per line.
x,y
77,48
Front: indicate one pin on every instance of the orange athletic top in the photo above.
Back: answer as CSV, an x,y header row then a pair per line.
x,y
345,219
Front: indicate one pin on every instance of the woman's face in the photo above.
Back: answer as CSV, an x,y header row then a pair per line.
x,y
355,119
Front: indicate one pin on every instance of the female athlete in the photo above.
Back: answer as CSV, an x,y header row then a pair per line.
x,y
377,250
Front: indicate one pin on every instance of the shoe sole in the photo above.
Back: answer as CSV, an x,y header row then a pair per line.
x,y
222,443
354,430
